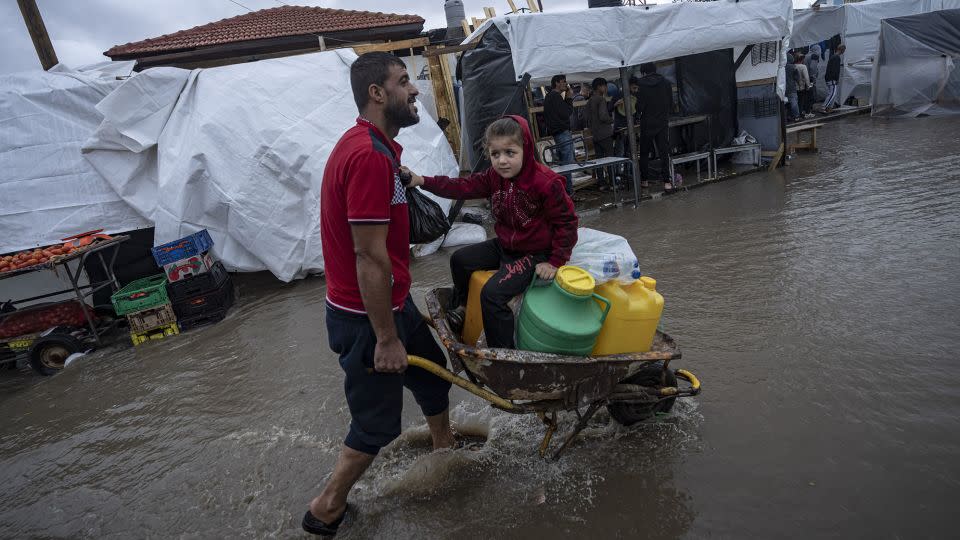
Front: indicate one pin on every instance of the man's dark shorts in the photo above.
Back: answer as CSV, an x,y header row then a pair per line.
x,y
376,399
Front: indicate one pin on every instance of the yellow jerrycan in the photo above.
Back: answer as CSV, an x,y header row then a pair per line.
x,y
635,310
473,322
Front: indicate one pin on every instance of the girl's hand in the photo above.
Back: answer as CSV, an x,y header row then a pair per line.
x,y
415,179
546,270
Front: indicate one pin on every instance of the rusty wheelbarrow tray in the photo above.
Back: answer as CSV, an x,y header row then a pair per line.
x,y
524,382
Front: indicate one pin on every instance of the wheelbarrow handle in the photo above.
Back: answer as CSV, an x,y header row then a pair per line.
x,y
452,378
691,378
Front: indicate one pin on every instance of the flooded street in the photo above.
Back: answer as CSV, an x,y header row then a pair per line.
x,y
819,305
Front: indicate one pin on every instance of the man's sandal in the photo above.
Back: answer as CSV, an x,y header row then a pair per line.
x,y
314,526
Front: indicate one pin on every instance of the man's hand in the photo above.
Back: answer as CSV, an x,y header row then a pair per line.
x,y
546,270
415,179
390,356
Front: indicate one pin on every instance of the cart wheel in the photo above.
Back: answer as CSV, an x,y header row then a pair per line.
x,y
631,413
48,353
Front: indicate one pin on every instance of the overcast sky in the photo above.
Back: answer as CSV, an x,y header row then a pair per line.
x,y
82,30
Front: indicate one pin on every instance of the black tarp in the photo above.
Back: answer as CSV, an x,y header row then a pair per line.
x,y
707,84
937,29
491,89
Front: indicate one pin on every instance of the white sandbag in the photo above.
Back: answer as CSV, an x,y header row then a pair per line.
x,y
606,256
464,234
422,250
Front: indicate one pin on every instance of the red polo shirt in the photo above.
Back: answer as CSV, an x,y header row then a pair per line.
x,y
361,185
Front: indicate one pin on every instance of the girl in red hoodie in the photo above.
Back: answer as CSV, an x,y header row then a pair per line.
x,y
535,223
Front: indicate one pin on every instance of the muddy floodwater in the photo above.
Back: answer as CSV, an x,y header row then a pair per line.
x,y
819,304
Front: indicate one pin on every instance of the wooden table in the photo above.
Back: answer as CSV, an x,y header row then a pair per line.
x,y
800,145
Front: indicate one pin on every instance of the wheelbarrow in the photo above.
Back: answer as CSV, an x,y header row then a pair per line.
x,y
633,386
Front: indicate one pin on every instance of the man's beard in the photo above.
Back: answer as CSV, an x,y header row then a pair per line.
x,y
400,115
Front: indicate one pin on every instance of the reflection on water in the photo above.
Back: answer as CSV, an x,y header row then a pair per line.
x,y
818,304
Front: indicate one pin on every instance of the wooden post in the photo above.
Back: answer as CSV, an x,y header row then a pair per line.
x,y
532,6
513,7
442,81
38,33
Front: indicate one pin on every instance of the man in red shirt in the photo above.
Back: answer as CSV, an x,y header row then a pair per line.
x,y
371,321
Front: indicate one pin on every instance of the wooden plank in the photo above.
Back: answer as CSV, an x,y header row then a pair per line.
x,y
489,12
533,6
513,7
437,51
466,27
757,82
803,127
776,158
442,82
392,45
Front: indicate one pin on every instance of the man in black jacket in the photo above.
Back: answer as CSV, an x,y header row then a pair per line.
x,y
654,103
556,116
832,77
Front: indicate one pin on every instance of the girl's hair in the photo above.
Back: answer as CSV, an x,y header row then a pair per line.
x,y
504,127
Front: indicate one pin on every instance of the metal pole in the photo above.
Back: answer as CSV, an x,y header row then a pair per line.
x,y
38,33
628,108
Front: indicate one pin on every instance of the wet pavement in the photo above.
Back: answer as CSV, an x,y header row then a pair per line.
x,y
819,305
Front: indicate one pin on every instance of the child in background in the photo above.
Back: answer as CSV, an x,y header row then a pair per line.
x,y
535,223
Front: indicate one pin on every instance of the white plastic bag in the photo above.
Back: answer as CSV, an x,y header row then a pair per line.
x,y
749,156
606,256
464,234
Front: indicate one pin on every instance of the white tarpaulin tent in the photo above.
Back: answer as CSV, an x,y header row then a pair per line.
x,y
240,150
592,41
47,190
859,27
918,65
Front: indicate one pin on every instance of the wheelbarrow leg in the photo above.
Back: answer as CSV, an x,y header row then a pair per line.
x,y
582,423
551,424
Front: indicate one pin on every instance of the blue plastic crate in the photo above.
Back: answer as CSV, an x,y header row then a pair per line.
x,y
187,246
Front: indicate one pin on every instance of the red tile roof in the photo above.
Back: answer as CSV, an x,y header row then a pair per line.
x,y
263,24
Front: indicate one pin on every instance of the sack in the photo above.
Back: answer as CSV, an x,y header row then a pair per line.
x,y
606,256
464,234
427,220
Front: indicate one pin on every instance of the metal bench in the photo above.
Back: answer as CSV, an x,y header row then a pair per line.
x,y
695,157
734,150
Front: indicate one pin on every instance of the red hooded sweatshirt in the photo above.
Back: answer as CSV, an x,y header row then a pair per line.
x,y
533,212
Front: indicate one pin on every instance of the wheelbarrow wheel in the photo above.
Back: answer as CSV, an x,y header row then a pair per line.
x,y
631,413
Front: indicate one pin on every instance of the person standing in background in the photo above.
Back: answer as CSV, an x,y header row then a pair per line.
x,y
654,105
812,61
601,128
791,88
832,77
803,88
557,108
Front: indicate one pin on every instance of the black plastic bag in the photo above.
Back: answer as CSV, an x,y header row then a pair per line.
x,y
427,220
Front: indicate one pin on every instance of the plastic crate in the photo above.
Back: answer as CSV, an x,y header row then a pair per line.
x,y
188,246
203,319
207,282
161,332
148,319
219,299
192,266
141,294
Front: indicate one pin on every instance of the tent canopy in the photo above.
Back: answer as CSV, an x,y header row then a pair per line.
x,y
240,150
591,41
47,190
918,65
